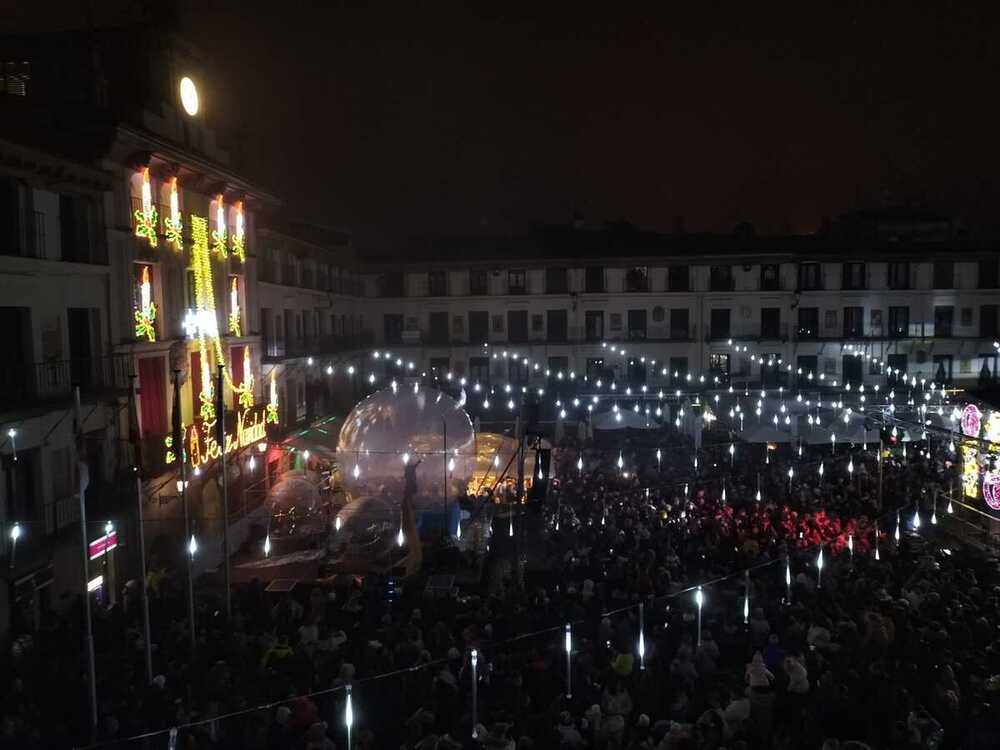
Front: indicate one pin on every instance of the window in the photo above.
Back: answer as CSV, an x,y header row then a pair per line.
x,y
390,284
771,375
15,77
516,282
718,365
537,323
437,284
810,277
899,321
808,323
635,280
720,278
517,326
659,314
437,328
988,370
899,275
458,326
944,317
556,281
770,322
479,327
479,370
853,276
595,368
636,325
679,326
965,316
896,362
594,279
806,364
988,321
942,368
770,277
854,322
392,327
636,371
497,323
944,274
615,322
557,325
479,282
678,279
678,369
720,323
989,273
77,229
852,369
594,325
558,365
517,370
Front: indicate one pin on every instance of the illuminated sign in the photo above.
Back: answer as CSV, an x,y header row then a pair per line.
x,y
972,420
201,445
991,489
103,544
95,583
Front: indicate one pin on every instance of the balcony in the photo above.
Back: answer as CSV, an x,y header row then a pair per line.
x,y
285,348
32,384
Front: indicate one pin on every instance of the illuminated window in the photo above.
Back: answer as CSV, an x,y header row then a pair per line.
x,y
15,77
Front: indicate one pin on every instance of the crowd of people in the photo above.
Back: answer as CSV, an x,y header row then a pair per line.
x,y
897,652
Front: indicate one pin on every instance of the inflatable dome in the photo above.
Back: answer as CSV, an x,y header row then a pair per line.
x,y
407,422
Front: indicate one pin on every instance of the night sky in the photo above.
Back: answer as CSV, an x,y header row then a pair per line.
x,y
402,119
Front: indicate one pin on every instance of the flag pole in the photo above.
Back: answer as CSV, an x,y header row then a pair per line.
x,y
82,481
178,444
136,434
220,438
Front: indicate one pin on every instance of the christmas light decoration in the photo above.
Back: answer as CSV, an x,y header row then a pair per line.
x,y
272,410
239,238
234,307
173,225
145,312
219,234
146,217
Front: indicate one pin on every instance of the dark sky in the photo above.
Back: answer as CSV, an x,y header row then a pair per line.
x,y
404,118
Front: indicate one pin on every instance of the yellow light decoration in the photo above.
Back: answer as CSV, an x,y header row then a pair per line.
x,y
970,469
207,395
173,225
239,238
219,233
246,392
202,446
272,404
145,313
146,216
992,432
234,308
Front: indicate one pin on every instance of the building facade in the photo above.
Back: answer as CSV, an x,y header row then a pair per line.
x,y
728,308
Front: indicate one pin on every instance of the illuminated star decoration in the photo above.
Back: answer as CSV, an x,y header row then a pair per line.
x,y
173,225
145,313
145,216
219,233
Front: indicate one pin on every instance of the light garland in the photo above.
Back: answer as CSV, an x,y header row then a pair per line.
x,y
145,312
173,225
272,411
146,217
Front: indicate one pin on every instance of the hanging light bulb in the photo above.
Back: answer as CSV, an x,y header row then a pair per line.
x,y
821,469
451,464
934,515
916,518
356,471
510,528
723,490
579,464
850,544
819,568
896,536
267,545
850,466
621,461
950,508
458,528
746,606
400,537
659,456
336,523
193,546
541,476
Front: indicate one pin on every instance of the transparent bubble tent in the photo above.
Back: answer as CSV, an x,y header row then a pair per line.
x,y
407,423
